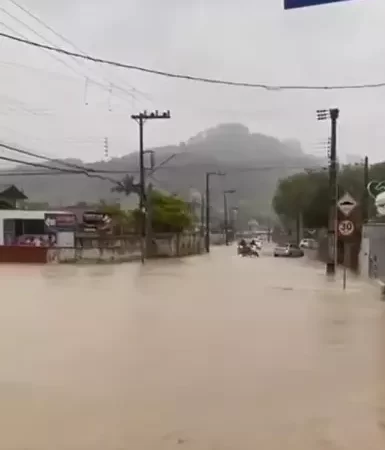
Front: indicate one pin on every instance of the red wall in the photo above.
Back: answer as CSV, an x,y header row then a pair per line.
x,y
19,254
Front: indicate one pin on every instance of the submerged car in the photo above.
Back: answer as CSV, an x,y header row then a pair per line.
x,y
288,250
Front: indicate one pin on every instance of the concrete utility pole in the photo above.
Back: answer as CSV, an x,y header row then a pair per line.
x,y
233,218
141,118
365,193
202,227
149,233
333,115
149,208
208,206
226,213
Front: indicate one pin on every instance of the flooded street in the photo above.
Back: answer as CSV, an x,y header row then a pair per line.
x,y
208,353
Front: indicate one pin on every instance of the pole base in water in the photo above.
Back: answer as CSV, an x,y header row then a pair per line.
x,y
330,268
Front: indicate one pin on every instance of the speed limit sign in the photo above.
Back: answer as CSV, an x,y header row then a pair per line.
x,y
346,227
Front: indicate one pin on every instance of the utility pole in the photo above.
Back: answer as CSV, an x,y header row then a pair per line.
x,y
226,213
149,208
207,234
202,227
365,194
333,115
106,149
149,234
234,213
141,118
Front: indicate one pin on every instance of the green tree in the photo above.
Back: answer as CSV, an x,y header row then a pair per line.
x,y
304,194
123,221
308,193
170,214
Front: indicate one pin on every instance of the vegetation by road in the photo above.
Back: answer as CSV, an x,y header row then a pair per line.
x,y
307,193
170,214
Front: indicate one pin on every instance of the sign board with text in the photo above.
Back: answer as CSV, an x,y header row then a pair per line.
x,y
55,222
294,4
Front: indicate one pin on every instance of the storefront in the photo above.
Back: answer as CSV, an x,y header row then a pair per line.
x,y
20,226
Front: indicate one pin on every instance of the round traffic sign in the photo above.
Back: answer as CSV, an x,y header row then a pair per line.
x,y
346,227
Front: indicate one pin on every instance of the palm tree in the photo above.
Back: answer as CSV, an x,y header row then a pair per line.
x,y
127,186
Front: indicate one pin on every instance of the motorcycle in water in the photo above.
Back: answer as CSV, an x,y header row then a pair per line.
x,y
254,250
248,250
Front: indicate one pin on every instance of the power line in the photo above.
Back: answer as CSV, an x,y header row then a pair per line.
x,y
268,87
73,69
34,173
40,36
91,173
19,161
72,168
60,36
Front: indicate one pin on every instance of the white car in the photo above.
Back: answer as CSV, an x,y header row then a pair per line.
x,y
288,250
308,243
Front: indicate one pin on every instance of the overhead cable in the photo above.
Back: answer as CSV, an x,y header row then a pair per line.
x,y
268,87
67,41
87,172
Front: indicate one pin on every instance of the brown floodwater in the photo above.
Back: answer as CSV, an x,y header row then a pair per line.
x,y
207,353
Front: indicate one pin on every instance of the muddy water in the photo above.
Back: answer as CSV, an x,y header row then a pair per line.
x,y
215,352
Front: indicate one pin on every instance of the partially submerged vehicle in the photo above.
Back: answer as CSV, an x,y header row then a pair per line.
x,y
248,250
288,250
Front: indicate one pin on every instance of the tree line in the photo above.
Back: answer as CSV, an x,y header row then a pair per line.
x,y
306,194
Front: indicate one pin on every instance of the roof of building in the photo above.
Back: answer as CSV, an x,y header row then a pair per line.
x,y
24,214
10,191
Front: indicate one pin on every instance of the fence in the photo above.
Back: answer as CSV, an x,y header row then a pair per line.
x,y
107,250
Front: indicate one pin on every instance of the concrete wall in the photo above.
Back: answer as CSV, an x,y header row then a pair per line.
x,y
19,254
372,254
122,250
163,246
90,255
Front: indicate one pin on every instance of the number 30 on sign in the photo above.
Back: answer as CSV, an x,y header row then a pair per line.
x,y
346,227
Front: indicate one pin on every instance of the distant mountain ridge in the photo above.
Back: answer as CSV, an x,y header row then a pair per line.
x,y
253,163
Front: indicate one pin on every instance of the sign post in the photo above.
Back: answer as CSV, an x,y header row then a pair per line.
x,y
346,263
295,4
346,229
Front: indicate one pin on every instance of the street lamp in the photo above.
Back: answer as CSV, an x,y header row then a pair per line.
x,y
332,114
207,234
226,213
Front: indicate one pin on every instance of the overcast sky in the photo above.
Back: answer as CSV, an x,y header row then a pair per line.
x,y
47,104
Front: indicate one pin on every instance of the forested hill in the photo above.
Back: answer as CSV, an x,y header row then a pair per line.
x,y
231,148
